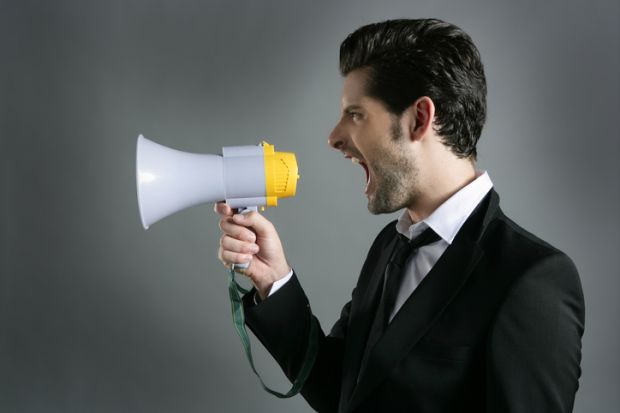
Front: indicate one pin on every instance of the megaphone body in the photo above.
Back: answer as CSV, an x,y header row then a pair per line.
x,y
245,177
169,180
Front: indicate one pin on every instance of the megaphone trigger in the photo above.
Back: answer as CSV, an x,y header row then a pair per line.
x,y
245,210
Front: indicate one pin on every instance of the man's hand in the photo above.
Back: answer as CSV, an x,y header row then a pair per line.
x,y
252,238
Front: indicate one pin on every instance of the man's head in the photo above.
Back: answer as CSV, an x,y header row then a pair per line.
x,y
407,83
408,59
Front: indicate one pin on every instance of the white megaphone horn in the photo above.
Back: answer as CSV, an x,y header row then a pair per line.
x,y
246,177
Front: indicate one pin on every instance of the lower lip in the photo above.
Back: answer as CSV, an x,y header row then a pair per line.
x,y
367,179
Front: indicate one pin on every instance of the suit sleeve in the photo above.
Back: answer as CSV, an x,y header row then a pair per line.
x,y
282,324
534,346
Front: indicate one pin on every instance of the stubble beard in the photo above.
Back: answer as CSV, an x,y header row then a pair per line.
x,y
396,178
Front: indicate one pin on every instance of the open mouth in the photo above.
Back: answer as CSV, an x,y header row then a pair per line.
x,y
366,171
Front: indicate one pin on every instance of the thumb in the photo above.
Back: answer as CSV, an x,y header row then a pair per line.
x,y
261,226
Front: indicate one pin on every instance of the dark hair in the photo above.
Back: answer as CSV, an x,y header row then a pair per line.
x,y
423,57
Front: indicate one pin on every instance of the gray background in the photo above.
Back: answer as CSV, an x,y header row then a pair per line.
x,y
98,315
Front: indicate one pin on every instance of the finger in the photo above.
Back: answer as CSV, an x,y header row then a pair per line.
x,y
239,232
222,208
229,257
234,245
256,221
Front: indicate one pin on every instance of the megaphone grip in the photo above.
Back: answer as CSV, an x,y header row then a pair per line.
x,y
243,210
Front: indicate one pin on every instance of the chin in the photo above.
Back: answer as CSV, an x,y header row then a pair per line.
x,y
378,208
383,203
374,211
372,208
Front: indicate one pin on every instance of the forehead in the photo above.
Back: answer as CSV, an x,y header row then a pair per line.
x,y
354,92
354,88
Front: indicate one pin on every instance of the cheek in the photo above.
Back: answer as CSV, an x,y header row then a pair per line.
x,y
370,138
368,142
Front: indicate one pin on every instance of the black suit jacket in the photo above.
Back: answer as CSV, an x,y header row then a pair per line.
x,y
495,326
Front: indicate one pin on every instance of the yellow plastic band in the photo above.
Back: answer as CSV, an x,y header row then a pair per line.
x,y
281,174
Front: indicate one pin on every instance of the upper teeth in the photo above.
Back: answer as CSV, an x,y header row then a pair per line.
x,y
355,160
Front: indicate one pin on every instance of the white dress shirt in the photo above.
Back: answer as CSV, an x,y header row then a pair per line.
x,y
446,221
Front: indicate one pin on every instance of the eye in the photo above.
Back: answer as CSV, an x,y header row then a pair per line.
x,y
356,116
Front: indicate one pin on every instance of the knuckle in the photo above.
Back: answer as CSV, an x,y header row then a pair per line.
x,y
230,244
269,227
222,224
228,256
249,236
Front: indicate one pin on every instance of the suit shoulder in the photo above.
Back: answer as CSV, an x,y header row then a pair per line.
x,y
521,257
508,240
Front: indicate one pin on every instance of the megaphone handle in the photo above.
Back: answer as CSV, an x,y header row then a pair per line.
x,y
244,210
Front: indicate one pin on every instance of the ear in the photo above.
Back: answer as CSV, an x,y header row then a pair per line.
x,y
422,114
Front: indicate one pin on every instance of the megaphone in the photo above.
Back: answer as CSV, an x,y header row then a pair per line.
x,y
246,177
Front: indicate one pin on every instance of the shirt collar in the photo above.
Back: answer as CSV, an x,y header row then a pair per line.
x,y
450,216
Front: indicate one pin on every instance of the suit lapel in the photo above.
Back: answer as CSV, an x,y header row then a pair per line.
x,y
362,316
424,306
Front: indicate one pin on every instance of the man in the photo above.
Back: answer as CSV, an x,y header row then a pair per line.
x,y
479,316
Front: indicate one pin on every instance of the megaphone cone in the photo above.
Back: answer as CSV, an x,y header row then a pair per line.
x,y
169,180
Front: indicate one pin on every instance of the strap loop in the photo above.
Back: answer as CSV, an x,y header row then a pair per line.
x,y
235,291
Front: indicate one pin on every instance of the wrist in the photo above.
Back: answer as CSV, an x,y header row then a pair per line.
x,y
264,288
282,272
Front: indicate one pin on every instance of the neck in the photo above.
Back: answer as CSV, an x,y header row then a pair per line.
x,y
440,188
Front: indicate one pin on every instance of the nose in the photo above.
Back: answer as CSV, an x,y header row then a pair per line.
x,y
336,138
